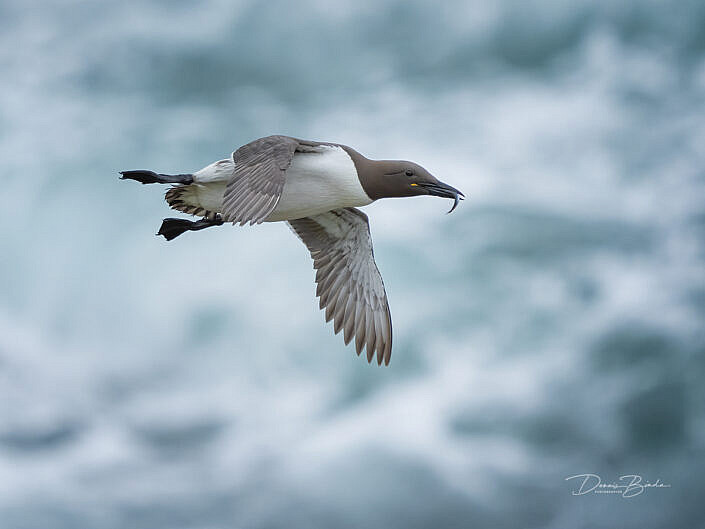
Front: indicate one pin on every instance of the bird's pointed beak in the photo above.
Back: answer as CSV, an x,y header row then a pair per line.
x,y
439,189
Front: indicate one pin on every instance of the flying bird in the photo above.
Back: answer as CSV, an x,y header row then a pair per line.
x,y
316,188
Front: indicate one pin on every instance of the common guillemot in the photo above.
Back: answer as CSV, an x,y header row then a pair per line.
x,y
316,188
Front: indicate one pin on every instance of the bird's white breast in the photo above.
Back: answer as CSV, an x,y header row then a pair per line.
x,y
317,182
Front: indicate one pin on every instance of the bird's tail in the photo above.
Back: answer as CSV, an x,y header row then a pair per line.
x,y
188,199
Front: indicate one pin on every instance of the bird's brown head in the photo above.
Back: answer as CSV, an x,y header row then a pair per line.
x,y
399,178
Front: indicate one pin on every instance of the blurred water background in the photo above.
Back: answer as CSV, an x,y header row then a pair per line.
x,y
551,326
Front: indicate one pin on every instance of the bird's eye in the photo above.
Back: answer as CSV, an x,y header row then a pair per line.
x,y
409,172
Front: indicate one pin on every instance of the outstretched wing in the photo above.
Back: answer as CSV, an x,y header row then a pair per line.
x,y
258,179
350,286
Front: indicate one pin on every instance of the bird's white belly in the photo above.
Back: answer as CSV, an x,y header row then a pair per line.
x,y
317,182
208,196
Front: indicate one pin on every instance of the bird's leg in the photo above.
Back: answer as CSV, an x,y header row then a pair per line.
x,y
150,177
172,228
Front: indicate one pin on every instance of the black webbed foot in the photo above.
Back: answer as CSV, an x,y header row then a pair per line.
x,y
172,228
150,177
